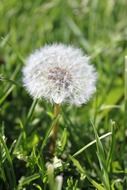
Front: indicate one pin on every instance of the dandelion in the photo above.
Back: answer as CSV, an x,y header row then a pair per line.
x,y
60,74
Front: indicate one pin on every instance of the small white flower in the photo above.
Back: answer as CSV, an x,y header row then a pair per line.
x,y
57,162
59,73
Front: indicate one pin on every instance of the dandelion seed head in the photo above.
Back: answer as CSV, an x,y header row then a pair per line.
x,y
59,73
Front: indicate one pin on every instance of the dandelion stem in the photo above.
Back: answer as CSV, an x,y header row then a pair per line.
x,y
55,129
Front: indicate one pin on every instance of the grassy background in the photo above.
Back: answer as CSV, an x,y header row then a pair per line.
x,y
99,27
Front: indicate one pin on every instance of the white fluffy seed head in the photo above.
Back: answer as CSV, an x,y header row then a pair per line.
x,y
59,73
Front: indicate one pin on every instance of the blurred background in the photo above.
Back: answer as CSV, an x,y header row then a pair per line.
x,y
99,28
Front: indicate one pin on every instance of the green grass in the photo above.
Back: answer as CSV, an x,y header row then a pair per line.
x,y
91,145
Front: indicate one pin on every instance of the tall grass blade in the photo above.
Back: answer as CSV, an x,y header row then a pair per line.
x,y
10,169
102,160
49,131
90,144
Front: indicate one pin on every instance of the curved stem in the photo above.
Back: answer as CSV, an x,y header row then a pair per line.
x,y
55,129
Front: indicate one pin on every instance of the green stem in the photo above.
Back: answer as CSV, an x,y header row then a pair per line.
x,y
55,129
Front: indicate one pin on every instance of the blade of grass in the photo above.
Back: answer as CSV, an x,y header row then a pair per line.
x,y
49,131
5,79
102,160
77,32
13,177
31,110
95,184
82,171
6,94
77,164
64,139
90,144
112,146
8,87
27,180
37,186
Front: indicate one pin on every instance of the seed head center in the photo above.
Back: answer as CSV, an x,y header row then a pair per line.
x,y
60,76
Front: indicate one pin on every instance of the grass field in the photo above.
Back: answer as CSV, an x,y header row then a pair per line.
x,y
82,161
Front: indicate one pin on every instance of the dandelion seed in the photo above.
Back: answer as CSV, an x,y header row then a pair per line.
x,y
59,73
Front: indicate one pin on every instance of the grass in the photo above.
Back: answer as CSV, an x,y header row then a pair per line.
x,y
91,145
